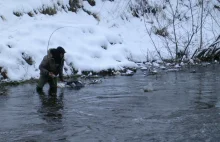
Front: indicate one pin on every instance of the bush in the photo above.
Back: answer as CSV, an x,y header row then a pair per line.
x,y
161,32
74,5
49,10
3,73
27,58
91,2
31,14
18,14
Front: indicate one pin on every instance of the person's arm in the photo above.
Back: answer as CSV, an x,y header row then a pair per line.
x,y
43,66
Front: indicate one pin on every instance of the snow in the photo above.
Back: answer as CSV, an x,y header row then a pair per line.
x,y
90,44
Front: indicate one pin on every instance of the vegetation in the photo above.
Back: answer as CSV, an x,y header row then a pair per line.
x,y
74,5
93,14
18,14
3,73
91,2
210,54
48,10
27,58
169,18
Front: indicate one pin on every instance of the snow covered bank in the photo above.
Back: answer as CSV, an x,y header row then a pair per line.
x,y
96,38
89,47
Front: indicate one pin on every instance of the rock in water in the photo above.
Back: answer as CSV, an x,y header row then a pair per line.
x,y
71,84
61,85
148,88
128,73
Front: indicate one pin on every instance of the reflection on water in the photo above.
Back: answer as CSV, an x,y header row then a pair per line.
x,y
3,91
3,96
51,105
208,84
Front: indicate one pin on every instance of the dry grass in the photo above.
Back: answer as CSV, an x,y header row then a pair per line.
x,y
93,14
73,6
3,73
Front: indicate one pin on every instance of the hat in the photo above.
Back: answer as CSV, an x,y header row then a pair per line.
x,y
60,50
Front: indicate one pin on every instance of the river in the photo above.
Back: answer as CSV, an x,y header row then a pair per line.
x,y
180,106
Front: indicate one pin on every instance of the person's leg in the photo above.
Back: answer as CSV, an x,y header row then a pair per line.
x,y
53,85
41,82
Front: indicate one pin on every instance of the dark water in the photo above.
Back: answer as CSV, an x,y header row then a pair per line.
x,y
182,107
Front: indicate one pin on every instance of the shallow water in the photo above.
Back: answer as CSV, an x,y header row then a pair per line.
x,y
180,106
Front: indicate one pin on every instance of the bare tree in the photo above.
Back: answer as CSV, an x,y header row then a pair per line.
x,y
174,15
179,25
173,19
201,25
193,31
148,32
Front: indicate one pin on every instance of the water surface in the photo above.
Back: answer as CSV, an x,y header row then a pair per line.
x,y
183,106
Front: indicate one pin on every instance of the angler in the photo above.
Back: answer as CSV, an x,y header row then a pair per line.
x,y
50,67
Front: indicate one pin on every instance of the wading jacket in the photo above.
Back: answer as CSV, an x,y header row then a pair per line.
x,y
48,65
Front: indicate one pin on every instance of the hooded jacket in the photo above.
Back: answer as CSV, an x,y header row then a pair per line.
x,y
52,63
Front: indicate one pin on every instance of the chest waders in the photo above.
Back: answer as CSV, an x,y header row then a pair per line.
x,y
52,81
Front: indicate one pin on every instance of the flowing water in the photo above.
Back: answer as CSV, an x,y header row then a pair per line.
x,y
178,106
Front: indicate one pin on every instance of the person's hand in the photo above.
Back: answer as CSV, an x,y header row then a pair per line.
x,y
51,75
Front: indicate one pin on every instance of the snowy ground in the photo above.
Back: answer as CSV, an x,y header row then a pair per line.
x,y
90,44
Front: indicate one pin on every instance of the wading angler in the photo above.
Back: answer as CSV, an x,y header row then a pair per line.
x,y
50,67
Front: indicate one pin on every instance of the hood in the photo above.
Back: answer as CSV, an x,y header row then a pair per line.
x,y
51,52
54,54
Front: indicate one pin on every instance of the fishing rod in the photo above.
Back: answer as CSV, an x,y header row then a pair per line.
x,y
69,83
48,44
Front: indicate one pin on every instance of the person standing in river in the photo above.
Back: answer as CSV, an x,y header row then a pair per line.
x,y
51,66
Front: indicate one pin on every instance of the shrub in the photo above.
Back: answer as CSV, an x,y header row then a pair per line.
x,y
31,14
161,32
3,73
49,10
18,14
74,5
27,58
91,2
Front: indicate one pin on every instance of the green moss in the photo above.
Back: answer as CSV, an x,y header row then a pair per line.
x,y
15,83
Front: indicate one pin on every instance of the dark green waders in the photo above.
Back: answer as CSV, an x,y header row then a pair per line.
x,y
46,79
